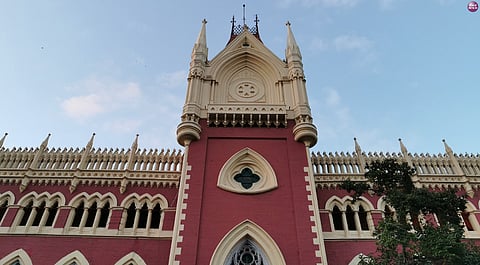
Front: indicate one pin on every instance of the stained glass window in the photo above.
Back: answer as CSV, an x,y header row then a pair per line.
x,y
246,178
246,254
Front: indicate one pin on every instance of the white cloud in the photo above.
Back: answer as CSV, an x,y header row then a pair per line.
x,y
100,96
319,44
326,3
173,80
340,3
387,4
333,98
123,125
352,42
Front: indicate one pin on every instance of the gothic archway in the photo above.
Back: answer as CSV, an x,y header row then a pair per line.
x,y
247,244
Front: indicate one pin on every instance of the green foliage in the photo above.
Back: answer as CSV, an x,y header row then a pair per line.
x,y
400,239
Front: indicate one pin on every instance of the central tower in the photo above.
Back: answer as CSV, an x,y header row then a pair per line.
x,y
247,193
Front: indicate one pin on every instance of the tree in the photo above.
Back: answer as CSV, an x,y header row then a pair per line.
x,y
413,235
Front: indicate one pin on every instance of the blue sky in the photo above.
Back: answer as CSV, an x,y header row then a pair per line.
x,y
377,70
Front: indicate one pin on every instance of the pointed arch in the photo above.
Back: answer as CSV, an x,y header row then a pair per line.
x,y
251,231
357,259
131,258
256,163
74,256
19,255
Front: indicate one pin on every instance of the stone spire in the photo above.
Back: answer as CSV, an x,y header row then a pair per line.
x,y
189,128
133,152
41,149
292,53
405,154
200,50
457,169
456,166
359,153
86,152
2,140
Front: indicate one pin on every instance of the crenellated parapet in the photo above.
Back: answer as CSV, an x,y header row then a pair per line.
x,y
432,171
90,166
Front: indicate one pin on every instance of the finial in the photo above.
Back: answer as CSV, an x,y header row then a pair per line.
x,y
402,147
90,143
3,139
288,23
448,149
204,21
44,144
358,149
244,23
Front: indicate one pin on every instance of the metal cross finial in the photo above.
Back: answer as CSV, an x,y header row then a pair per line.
x,y
244,23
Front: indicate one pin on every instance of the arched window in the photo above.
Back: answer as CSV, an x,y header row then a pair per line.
x,y
92,212
246,253
131,258
17,257
27,210
337,218
104,214
52,213
77,217
3,209
74,258
362,215
156,216
143,213
130,215
143,218
350,218
39,214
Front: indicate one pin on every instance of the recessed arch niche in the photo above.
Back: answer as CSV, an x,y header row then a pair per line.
x,y
252,162
247,232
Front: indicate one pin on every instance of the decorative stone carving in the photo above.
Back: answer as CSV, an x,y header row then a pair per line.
x,y
246,86
247,172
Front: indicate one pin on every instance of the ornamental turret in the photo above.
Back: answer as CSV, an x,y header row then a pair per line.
x,y
189,128
304,129
246,85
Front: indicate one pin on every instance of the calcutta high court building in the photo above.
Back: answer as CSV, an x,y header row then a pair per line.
x,y
245,189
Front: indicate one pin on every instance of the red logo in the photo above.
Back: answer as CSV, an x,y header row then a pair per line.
x,y
472,6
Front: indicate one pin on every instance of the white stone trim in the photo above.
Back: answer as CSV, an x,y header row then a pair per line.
x,y
313,207
356,260
131,258
247,158
74,256
19,254
180,215
254,232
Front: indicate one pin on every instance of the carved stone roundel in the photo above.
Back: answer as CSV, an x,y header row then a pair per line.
x,y
246,86
247,90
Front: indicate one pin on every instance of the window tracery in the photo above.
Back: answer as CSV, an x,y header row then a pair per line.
x,y
247,172
91,211
143,213
346,215
37,211
246,254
